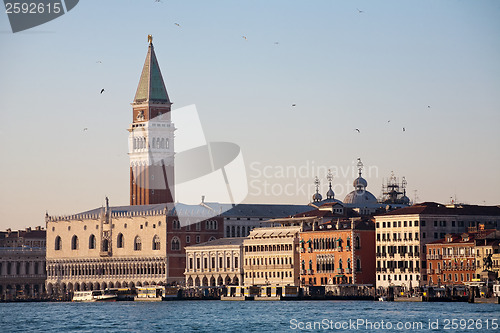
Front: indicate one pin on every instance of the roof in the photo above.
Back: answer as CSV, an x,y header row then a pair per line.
x,y
206,210
257,210
433,208
458,239
221,242
151,87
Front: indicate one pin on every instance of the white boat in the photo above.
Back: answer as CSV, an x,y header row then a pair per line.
x,y
93,296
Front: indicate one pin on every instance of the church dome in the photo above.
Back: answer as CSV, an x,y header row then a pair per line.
x,y
360,197
405,200
360,182
330,194
317,197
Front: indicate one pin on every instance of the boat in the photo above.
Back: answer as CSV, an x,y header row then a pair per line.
x,y
382,299
93,296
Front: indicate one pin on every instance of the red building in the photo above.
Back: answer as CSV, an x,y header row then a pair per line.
x,y
341,252
452,260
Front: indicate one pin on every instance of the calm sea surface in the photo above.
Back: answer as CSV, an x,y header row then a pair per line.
x,y
213,316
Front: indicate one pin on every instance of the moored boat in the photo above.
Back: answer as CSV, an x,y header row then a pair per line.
x,y
93,296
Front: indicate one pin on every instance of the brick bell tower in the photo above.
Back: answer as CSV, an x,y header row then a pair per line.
x,y
151,138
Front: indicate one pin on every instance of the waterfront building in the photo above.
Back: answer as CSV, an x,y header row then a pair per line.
x,y
338,252
451,260
22,263
215,263
401,236
124,246
488,249
271,256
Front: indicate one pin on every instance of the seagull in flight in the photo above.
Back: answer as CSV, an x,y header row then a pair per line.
x,y
85,129
404,129
357,129
276,43
244,37
177,24
102,90
360,11
294,104
98,62
428,106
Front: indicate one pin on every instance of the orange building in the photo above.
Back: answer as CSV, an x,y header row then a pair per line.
x,y
341,252
452,260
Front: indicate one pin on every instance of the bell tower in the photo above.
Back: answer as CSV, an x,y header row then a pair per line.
x,y
151,138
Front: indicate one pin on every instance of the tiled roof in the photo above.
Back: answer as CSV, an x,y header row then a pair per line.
x,y
457,238
433,208
151,87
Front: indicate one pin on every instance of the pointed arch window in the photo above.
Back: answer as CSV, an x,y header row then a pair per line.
x,y
156,243
58,243
119,241
357,244
92,242
176,244
74,242
137,243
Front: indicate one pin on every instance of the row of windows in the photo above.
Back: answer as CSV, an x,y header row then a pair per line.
x,y
397,277
120,243
449,278
397,236
158,143
401,264
16,268
330,243
268,261
267,275
236,231
453,251
266,248
209,225
100,269
397,224
213,262
402,249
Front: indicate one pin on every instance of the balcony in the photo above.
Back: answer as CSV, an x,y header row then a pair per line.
x,y
302,250
309,271
309,249
302,272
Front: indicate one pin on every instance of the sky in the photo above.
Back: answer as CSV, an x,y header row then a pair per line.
x,y
430,67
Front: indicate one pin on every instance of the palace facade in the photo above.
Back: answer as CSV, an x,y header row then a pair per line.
x,y
22,263
215,263
123,246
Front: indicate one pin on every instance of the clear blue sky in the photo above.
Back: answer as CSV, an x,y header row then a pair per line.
x,y
343,70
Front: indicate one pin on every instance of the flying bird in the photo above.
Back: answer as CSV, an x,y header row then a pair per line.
x,y
357,129
85,129
428,106
98,62
388,121
177,24
360,11
244,37
276,43
404,129
102,90
294,104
